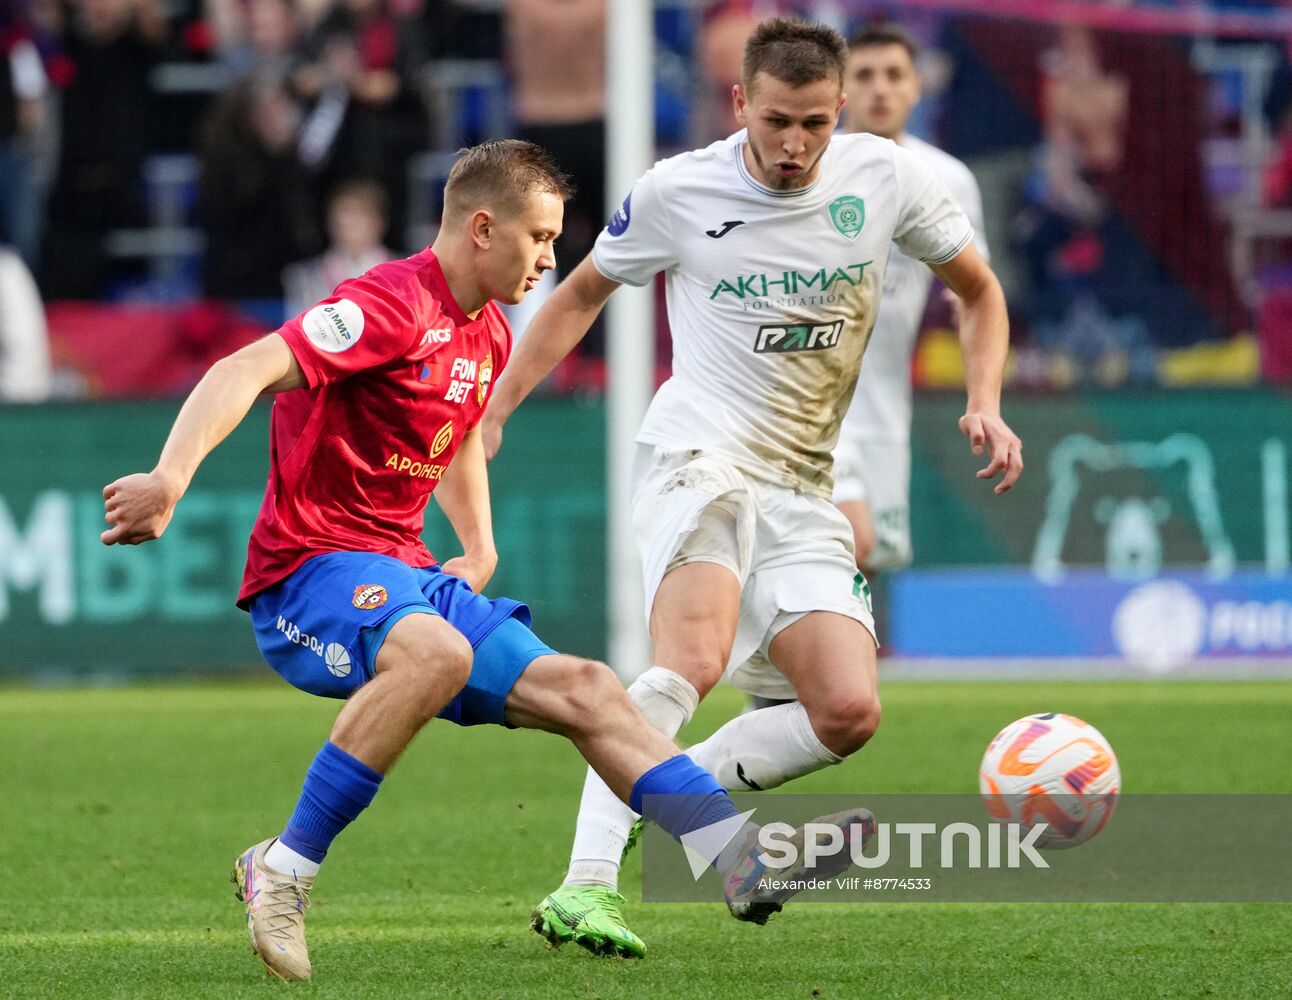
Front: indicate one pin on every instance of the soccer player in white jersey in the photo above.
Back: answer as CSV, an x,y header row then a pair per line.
x,y
872,463
774,244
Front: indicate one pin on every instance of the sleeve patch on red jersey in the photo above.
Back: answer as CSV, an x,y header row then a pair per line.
x,y
486,377
334,327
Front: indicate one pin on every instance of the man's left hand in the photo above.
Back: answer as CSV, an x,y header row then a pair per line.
x,y
475,569
988,430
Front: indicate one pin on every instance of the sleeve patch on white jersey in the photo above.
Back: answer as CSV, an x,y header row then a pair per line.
x,y
618,224
334,327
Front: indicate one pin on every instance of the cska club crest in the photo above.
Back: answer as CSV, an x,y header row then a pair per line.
x,y
485,377
848,213
369,596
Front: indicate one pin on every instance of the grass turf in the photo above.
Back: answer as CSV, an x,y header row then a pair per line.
x,y
122,810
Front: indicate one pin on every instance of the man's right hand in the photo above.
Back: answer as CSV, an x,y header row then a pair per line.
x,y
138,508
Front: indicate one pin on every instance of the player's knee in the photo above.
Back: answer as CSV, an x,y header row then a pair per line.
x,y
847,724
452,660
446,657
706,671
591,696
428,656
700,665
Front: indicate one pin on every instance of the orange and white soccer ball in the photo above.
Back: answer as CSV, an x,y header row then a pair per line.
x,y
1055,769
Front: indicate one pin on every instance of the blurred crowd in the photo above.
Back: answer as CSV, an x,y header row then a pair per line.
x,y
263,150
284,101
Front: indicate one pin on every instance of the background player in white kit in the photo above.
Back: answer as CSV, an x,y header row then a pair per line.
x,y
774,244
872,463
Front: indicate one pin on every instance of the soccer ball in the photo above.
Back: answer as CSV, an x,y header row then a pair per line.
x,y
1055,769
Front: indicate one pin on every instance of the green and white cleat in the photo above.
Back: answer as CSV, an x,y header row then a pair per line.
x,y
588,915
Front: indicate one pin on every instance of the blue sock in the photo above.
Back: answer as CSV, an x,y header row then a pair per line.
x,y
337,788
684,796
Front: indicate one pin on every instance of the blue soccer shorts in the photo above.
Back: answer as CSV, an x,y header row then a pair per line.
x,y
321,628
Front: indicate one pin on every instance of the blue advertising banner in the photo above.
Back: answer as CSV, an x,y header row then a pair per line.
x,y
1156,625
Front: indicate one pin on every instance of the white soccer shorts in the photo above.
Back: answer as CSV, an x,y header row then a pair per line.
x,y
791,552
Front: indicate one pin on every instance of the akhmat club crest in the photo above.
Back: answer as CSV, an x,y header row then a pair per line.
x,y
848,213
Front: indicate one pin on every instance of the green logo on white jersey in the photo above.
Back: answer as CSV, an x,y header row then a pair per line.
x,y
789,282
848,213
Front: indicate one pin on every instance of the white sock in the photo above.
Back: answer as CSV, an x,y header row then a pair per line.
x,y
763,749
668,701
285,861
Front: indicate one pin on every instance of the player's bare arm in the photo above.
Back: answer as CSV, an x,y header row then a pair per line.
x,y
559,326
138,507
463,495
984,343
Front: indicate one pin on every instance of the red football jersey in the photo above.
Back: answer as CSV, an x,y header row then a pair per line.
x,y
397,375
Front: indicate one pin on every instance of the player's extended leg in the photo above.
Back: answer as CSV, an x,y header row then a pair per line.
x,y
422,664
584,701
693,622
830,660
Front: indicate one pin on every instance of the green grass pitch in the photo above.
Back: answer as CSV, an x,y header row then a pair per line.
x,y
122,811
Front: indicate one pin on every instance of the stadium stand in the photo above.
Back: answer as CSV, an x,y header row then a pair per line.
x,y
1134,157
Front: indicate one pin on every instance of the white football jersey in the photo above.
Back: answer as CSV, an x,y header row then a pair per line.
x,y
772,295
881,405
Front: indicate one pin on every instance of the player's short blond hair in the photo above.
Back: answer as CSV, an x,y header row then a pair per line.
x,y
794,52
500,175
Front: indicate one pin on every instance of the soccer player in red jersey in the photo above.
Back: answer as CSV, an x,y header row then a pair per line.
x,y
380,390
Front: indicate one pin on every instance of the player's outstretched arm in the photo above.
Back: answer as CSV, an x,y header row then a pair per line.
x,y
139,507
561,323
463,495
984,343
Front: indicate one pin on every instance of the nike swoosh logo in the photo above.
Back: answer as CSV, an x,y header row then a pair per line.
x,y
570,918
740,773
727,227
